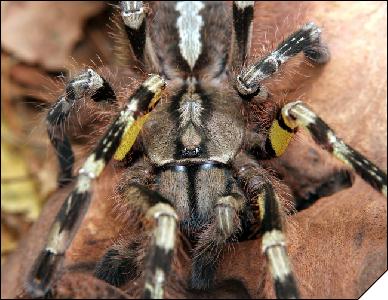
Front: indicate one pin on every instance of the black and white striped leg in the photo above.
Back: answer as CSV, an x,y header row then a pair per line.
x,y
298,114
75,206
306,39
161,250
120,264
243,12
264,204
90,84
134,17
225,225
274,244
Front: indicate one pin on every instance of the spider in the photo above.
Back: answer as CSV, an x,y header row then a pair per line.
x,y
199,171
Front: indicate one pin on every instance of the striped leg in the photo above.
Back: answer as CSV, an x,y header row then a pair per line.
x,y
298,114
242,31
120,264
274,244
161,250
90,84
307,39
74,208
133,14
265,206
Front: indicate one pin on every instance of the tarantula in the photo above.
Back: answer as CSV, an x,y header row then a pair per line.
x,y
202,159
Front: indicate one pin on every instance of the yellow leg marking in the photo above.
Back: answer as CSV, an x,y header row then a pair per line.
x,y
154,84
129,137
279,137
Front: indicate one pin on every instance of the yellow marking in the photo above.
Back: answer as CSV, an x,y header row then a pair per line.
x,y
155,99
279,137
156,85
129,137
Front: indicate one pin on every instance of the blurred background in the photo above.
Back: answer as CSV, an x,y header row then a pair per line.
x,y
40,42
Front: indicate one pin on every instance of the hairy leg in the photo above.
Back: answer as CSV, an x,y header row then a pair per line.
x,y
134,16
224,226
88,83
275,142
266,207
76,204
298,114
306,40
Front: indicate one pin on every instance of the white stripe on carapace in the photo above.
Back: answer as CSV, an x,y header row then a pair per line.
x,y
189,25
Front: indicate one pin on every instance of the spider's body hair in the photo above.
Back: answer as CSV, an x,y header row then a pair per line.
x,y
200,154
76,204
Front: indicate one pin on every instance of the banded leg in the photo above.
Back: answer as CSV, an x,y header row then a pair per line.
x,y
120,263
90,84
133,14
307,39
298,114
161,250
307,187
74,208
267,145
242,31
266,208
225,225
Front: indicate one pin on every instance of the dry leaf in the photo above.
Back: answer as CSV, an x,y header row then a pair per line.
x,y
18,192
44,33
